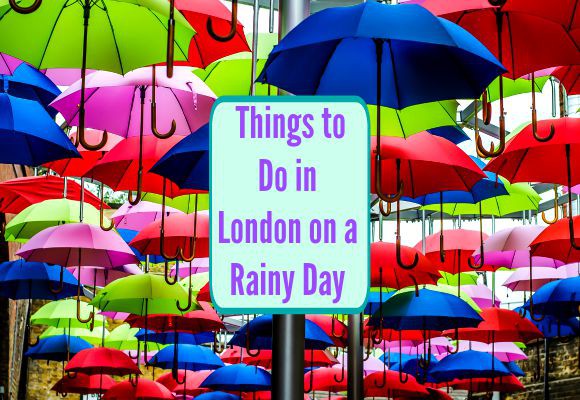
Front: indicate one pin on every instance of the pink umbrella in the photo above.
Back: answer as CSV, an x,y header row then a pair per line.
x,y
519,280
504,351
78,245
198,266
115,315
101,277
137,217
481,295
372,364
570,270
8,64
438,345
64,76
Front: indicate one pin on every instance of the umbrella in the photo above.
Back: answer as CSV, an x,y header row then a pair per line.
x,y
102,360
191,385
30,141
127,236
100,277
142,389
93,337
481,295
559,298
468,364
35,280
123,337
185,203
198,266
468,279
503,384
389,385
169,337
218,396
46,214
554,327
8,64
238,377
57,348
235,355
62,314
83,384
104,27
503,351
19,193
568,76
520,279
186,356
137,217
325,379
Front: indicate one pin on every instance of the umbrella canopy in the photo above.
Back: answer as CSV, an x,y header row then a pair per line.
x,y
28,83
568,76
388,384
136,217
559,298
191,385
123,337
169,337
57,348
554,327
218,396
189,357
238,377
520,279
468,364
19,193
503,351
203,320
30,141
503,384
34,280
100,277
46,214
325,379
94,337
185,203
102,360
62,314
323,53
333,327
78,244
235,355
83,384
8,64
481,295
466,278
555,241
144,389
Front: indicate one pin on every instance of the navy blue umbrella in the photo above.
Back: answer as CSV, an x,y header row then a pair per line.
x,y
552,327
421,58
29,135
452,133
187,163
29,83
257,334
559,298
169,337
57,348
34,280
217,396
238,378
186,356
468,364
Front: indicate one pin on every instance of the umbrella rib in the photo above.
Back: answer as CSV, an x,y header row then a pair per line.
x,y
519,163
56,20
326,65
131,111
198,50
181,106
572,16
507,17
175,44
115,41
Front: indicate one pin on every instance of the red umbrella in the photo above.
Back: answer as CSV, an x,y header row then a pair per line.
x,y
236,355
143,389
192,382
387,384
193,322
568,76
80,166
17,194
503,384
325,380
102,360
168,380
204,294
334,328
83,384
554,241
416,161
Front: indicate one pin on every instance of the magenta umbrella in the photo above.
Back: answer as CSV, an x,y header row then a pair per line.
x,y
115,315
78,245
101,277
372,364
198,265
481,295
8,64
64,76
139,216
436,345
504,351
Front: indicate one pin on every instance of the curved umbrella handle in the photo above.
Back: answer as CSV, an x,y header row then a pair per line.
x,y
384,381
135,200
134,380
102,212
234,22
25,10
493,152
60,287
162,232
170,39
398,245
84,320
35,342
189,301
248,341
175,375
532,314
378,179
456,347
485,108
342,374
154,129
401,379
556,213
387,212
476,127
190,258
83,142
332,332
71,375
481,252
368,350
167,275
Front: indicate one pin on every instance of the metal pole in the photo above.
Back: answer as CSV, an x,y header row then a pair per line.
x,y
355,357
288,330
423,232
546,369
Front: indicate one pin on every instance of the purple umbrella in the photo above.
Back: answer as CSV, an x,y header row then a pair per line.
x,y
8,64
78,245
101,277
504,351
115,315
64,76
481,295
139,216
198,266
437,345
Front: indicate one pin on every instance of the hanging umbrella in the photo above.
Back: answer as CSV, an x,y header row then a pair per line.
x,y
123,338
238,377
198,266
8,64
513,87
186,356
19,193
326,379
185,203
169,337
83,384
137,217
94,337
46,214
236,355
503,351
559,298
102,360
503,384
333,327
191,385
129,235
558,241
30,141
143,389
481,295
101,277
468,364
100,32
467,278
568,76
389,385
57,348
218,396
62,314
520,279
554,327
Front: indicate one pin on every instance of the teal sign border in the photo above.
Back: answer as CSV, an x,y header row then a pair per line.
x,y
291,99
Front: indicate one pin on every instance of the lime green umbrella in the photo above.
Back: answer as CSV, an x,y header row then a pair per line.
x,y
182,203
40,216
94,337
144,295
414,119
449,290
513,87
198,281
123,338
63,314
467,278
521,197
232,75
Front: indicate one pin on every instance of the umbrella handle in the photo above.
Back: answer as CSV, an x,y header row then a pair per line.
x,y
384,382
476,127
485,108
368,350
91,317
248,341
234,22
218,347
35,342
387,212
532,315
25,10
166,275
60,287
456,347
535,118
135,200
400,261
332,332
481,252
555,219
378,179
62,394
342,375
189,302
102,213
154,129
134,380
91,147
170,40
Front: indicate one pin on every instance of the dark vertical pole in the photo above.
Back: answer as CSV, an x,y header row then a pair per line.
x,y
546,369
288,330
355,357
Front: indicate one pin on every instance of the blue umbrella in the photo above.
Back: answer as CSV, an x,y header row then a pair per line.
x,y
127,235
187,163
552,327
217,396
558,298
187,356
238,377
423,58
169,337
35,280
452,133
57,348
29,135
257,334
374,302
468,364
27,82
514,368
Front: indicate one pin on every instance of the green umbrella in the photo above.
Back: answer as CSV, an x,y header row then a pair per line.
x,y
123,338
467,278
144,295
40,216
414,119
94,337
111,35
521,197
182,203
513,87
63,314
232,75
